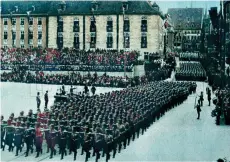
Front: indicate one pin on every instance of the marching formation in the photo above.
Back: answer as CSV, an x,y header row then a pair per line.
x,y
188,56
190,71
103,123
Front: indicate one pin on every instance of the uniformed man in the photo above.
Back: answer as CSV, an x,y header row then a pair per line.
x,y
62,142
198,110
38,99
51,141
93,90
38,139
46,99
9,137
29,138
71,90
18,140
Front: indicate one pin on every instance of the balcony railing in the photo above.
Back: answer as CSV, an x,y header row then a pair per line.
x,y
39,27
144,45
5,27
21,41
92,45
22,27
13,27
126,28
39,41
92,29
76,29
30,41
110,45
109,29
127,45
77,45
143,28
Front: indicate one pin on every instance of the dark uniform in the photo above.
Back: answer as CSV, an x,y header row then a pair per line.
x,y
93,90
9,137
198,110
62,143
18,140
29,138
46,99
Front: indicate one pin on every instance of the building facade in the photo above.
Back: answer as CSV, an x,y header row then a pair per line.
x,y
129,25
187,24
227,30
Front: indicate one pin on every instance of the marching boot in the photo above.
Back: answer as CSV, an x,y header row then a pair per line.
x,y
65,152
37,155
62,154
75,155
48,150
17,149
32,150
51,154
82,151
119,148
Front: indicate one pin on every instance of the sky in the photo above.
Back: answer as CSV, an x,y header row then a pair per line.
x,y
165,4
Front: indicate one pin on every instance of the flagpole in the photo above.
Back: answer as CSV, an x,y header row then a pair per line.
x,y
124,42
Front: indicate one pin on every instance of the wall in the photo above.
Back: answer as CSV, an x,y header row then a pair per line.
x,y
52,32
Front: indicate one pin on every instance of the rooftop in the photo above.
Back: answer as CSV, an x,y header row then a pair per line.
x,y
186,18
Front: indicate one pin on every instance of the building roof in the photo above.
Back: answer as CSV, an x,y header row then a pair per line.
x,y
77,7
186,18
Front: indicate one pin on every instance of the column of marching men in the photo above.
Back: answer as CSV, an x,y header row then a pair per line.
x,y
100,124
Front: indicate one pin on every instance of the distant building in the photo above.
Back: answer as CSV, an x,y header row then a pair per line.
x,y
206,43
227,30
135,25
187,24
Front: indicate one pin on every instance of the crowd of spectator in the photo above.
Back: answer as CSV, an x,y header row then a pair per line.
x,y
190,71
101,60
75,78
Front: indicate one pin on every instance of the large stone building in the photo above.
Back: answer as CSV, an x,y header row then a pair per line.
x,y
187,24
135,25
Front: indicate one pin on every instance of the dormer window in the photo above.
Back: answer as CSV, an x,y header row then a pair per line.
x,y
62,7
94,6
125,6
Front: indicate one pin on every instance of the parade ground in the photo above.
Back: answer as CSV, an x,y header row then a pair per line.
x,y
177,136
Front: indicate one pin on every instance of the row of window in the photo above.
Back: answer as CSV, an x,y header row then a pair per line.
x,y
22,42
22,36
22,46
22,21
109,42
